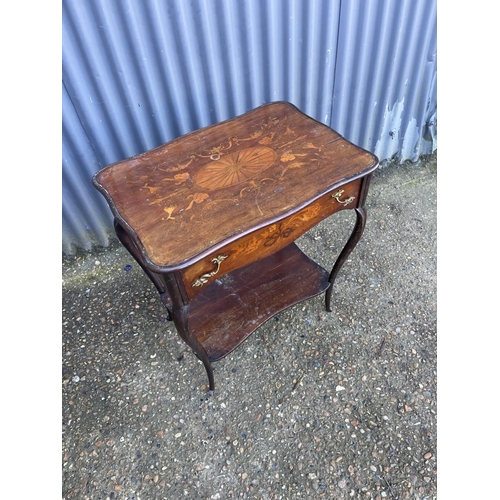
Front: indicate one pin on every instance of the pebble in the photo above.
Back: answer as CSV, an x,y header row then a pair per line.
x,y
122,431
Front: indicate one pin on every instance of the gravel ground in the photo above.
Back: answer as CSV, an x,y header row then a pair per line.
x,y
334,405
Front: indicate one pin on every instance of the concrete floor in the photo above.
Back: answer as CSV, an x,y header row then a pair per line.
x,y
334,405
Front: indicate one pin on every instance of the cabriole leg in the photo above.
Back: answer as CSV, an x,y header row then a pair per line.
x,y
180,316
348,248
127,242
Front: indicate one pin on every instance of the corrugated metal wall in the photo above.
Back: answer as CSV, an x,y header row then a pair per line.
x,y
138,73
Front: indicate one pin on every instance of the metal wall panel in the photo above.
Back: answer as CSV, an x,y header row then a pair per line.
x,y
385,79
138,73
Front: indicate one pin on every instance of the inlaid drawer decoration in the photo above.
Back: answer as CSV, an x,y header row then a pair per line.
x,y
269,239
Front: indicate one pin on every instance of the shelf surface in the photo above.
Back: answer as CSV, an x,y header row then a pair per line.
x,y
231,308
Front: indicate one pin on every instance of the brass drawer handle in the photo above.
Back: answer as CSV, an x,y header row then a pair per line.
x,y
204,277
345,202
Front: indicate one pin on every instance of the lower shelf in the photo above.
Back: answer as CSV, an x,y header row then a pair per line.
x,y
231,308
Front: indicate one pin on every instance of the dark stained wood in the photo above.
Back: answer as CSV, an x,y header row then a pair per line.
x,y
346,251
225,313
211,218
269,239
207,188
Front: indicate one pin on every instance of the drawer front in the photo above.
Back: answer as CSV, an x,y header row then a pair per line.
x,y
267,240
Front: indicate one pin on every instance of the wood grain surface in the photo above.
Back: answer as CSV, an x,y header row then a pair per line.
x,y
197,193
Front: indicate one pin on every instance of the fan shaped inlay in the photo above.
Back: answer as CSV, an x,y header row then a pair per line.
x,y
235,168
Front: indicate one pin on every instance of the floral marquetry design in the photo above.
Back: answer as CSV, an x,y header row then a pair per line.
x,y
191,197
235,168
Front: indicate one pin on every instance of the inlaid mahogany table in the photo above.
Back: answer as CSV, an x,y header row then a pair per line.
x,y
211,217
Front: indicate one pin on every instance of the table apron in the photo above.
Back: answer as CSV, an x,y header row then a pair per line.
x,y
269,239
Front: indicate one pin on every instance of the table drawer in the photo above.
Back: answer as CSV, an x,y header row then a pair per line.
x,y
269,239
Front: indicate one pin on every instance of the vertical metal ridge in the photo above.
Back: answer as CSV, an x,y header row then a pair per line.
x,y
137,74
380,75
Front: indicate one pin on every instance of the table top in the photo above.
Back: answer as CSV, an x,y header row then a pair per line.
x,y
194,194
